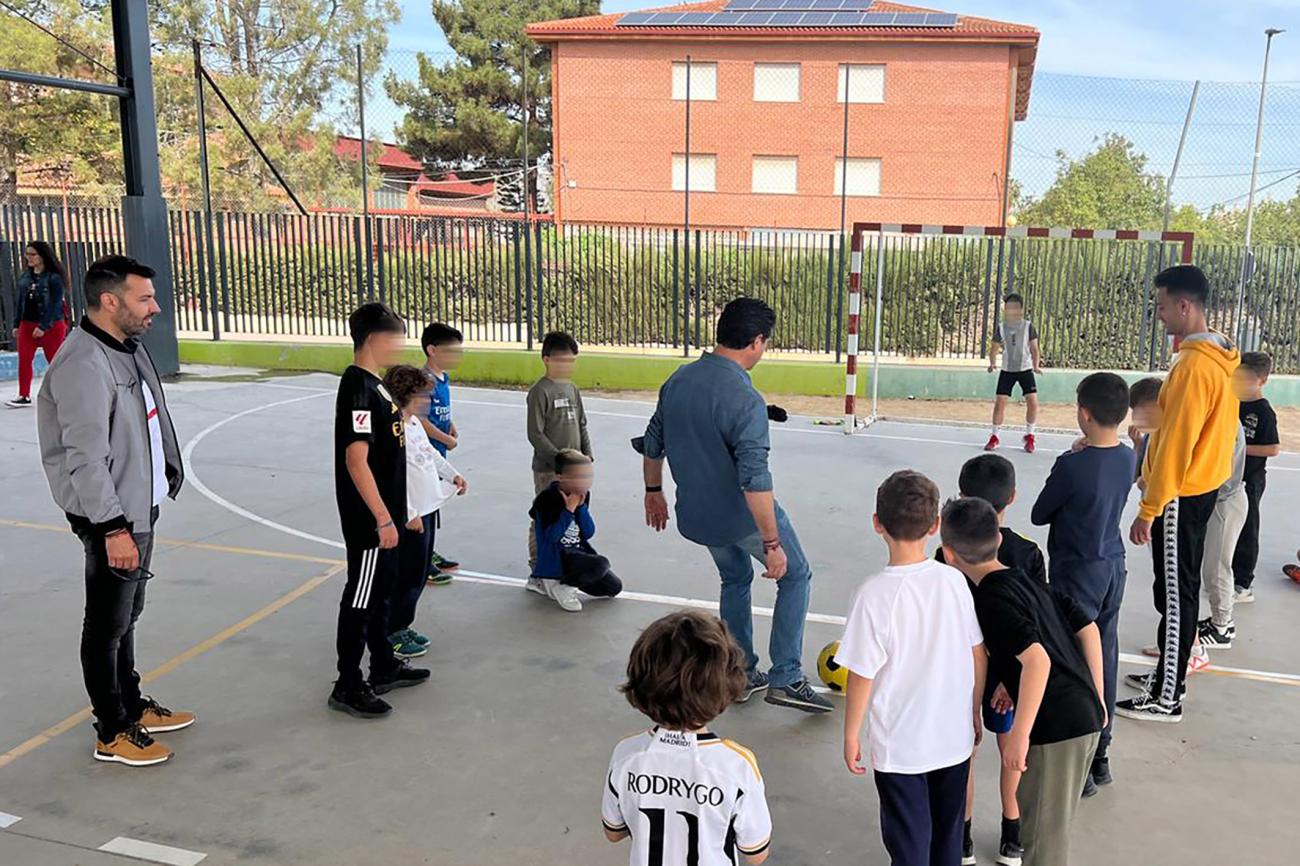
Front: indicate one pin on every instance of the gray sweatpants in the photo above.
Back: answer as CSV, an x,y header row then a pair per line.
x,y
542,480
1049,796
1220,541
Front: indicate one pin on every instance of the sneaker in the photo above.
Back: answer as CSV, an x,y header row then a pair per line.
x,y
1100,772
1212,637
993,443
405,645
414,635
133,747
1089,787
157,719
564,595
1145,708
1009,854
755,681
968,852
25,403
1291,570
1151,651
1199,660
799,696
440,578
359,701
401,677
1030,443
1243,595
1144,681
442,563
537,585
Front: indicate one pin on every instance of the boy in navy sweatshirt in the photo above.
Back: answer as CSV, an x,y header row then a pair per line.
x,y
1083,501
562,525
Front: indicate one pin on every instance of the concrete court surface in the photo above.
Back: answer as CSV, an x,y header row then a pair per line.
x,y
500,760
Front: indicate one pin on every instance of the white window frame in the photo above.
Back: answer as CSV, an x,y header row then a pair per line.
x,y
754,179
874,95
698,180
767,69
862,162
704,81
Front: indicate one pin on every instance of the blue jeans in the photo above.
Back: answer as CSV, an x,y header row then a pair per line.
x,y
1098,588
786,643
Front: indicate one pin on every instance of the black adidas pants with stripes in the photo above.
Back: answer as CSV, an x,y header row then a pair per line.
x,y
363,613
1177,548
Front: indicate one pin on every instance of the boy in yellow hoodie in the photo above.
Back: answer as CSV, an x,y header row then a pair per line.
x,y
1188,457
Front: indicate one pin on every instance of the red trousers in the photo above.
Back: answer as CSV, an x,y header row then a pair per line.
x,y
28,343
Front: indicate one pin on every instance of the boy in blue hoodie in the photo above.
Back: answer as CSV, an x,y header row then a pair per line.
x,y
562,525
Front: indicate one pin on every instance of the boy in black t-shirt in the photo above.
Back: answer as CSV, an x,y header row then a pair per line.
x,y
1260,423
1047,653
370,486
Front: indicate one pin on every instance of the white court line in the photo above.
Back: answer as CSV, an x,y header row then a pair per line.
x,y
7,820
504,580
152,852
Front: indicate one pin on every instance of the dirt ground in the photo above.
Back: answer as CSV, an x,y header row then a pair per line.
x,y
1058,416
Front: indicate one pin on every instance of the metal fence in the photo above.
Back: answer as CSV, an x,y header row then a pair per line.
x,y
508,282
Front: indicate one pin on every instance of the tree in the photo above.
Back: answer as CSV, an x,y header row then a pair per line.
x,y
468,113
1108,188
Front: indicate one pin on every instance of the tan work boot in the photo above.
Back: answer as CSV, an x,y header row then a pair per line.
x,y
133,747
157,719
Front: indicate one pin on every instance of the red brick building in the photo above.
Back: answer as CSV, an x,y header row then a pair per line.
x,y
931,98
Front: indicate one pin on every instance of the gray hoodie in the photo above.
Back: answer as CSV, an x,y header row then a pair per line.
x,y
94,434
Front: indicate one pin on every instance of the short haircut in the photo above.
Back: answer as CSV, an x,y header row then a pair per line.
x,y
1143,391
907,504
439,334
373,318
970,527
743,320
990,477
567,457
1105,396
684,670
556,342
405,382
1014,298
109,273
1258,363
1185,281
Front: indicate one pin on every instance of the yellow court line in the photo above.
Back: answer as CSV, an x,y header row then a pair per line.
x,y
194,545
171,664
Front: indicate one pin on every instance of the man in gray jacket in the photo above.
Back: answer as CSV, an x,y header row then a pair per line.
x,y
111,456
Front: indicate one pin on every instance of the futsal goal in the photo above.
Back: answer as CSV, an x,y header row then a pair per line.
x,y
936,296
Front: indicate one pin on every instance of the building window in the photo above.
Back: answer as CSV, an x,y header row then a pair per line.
x,y
863,176
866,82
704,171
776,82
776,174
704,81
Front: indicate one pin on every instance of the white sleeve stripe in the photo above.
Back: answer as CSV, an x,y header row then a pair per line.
x,y
613,828
757,849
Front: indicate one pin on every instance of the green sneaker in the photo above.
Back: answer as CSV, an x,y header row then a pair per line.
x,y
417,637
441,578
438,562
404,647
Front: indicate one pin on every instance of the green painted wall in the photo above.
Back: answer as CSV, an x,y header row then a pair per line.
x,y
618,372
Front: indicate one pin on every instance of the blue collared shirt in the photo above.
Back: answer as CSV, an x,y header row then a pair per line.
x,y
712,426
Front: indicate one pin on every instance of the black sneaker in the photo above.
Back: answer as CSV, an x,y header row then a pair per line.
x,y
1089,787
19,403
1100,772
755,681
1145,708
359,701
1009,854
1213,637
968,852
1145,681
401,677
799,696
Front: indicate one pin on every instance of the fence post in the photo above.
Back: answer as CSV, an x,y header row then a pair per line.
x,y
677,304
830,289
988,293
537,265
359,260
521,318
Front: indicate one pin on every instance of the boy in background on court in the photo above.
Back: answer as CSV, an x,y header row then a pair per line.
x,y
1218,630
555,417
562,524
682,794
444,347
1016,338
1083,503
1262,442
916,663
1047,652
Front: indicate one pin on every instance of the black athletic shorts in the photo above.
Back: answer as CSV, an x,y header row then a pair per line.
x,y
1008,380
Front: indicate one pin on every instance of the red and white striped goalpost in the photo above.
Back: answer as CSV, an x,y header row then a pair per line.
x,y
860,230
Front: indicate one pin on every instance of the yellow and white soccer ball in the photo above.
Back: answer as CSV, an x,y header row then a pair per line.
x,y
833,674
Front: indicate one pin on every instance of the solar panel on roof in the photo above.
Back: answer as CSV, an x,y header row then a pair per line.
x,y
879,19
785,19
940,19
798,5
740,4
780,13
768,5
909,19
636,18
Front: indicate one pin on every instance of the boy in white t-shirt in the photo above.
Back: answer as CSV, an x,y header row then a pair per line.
x,y
917,665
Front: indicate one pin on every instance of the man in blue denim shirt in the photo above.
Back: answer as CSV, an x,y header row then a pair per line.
x,y
712,426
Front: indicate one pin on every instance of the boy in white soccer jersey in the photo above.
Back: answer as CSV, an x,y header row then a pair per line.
x,y
680,792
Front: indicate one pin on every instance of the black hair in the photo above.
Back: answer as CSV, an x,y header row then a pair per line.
x,y
108,274
1105,396
1143,391
556,342
1185,281
1258,363
438,334
990,477
743,320
970,527
51,261
373,318
1014,298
